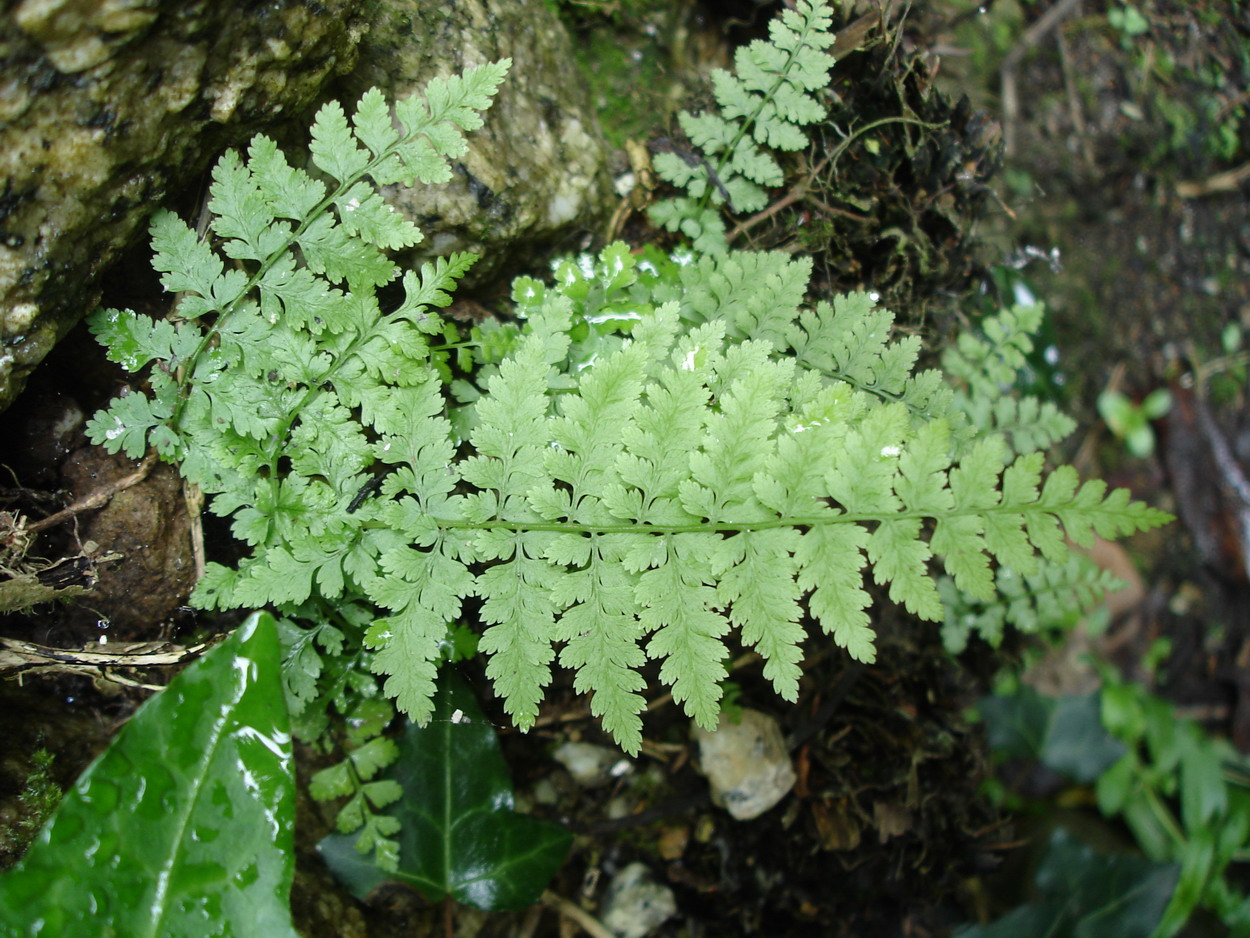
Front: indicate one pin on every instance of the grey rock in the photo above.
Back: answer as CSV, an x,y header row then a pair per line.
x,y
746,764
536,172
635,904
108,105
591,765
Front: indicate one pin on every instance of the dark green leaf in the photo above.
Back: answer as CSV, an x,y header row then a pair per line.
x,y
1204,796
459,834
1083,895
1076,743
184,826
1065,733
1197,858
1016,725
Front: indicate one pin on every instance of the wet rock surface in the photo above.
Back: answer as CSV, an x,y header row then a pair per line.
x,y
108,109
535,176
149,527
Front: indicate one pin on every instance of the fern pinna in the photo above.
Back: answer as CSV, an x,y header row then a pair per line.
x,y
665,452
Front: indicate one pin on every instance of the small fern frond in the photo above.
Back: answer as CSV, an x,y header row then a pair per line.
x,y
1055,595
850,340
763,105
985,368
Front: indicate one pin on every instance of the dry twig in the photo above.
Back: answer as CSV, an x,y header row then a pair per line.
x,y
98,498
587,922
1032,37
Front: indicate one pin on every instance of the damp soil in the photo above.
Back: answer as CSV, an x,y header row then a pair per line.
x,y
888,831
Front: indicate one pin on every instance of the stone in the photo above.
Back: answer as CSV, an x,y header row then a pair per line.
x,y
635,904
108,108
746,763
535,175
149,527
591,765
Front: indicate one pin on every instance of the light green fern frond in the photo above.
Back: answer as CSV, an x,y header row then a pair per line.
x,y
985,368
685,486
763,105
284,383
665,454
1056,595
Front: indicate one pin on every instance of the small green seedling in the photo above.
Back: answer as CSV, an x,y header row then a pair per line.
x,y
1130,421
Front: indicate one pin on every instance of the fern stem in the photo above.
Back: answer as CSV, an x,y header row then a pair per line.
x,y
730,527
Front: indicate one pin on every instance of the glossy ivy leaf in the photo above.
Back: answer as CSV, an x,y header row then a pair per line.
x,y
184,826
1082,894
459,834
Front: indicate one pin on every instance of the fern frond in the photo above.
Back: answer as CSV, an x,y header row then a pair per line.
x,y
299,244
764,103
984,368
666,452
1055,595
850,340
990,362
685,488
282,387
1028,423
757,294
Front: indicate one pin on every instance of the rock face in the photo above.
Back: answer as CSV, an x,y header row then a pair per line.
x,y
746,763
148,526
105,107
109,106
536,172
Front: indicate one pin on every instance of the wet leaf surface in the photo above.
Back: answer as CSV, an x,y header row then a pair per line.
x,y
459,836
184,826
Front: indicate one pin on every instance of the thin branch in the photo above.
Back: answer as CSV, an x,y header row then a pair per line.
x,y
1007,72
587,922
98,498
1228,181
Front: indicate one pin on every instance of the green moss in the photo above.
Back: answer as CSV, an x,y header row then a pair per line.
x,y
632,54
34,805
